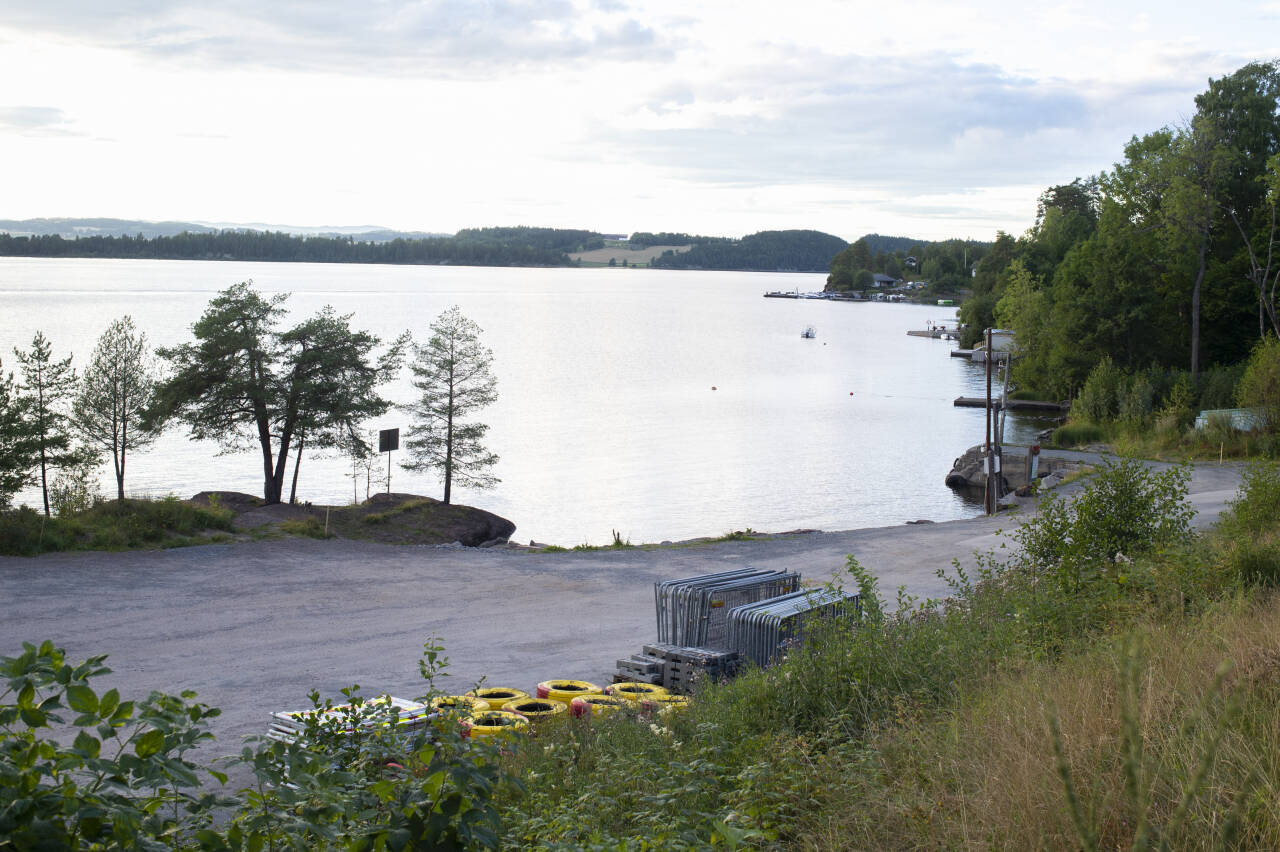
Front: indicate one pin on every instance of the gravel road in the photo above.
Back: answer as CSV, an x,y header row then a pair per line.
x,y
254,626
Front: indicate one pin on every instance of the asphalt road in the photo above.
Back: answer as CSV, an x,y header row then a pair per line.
x,y
254,626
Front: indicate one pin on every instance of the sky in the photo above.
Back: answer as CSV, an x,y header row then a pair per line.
x,y
923,119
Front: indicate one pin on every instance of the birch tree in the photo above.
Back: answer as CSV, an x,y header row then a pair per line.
x,y
118,389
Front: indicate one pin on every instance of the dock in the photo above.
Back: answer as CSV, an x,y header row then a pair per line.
x,y
962,353
935,333
1041,406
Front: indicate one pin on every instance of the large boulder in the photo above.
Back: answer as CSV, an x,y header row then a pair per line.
x,y
428,520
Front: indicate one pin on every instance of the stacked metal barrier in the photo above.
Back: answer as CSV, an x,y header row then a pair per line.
x,y
759,631
693,611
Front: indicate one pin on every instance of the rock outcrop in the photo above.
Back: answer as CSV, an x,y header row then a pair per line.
x,y
967,471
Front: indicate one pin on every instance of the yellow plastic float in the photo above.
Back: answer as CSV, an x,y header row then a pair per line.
x,y
565,691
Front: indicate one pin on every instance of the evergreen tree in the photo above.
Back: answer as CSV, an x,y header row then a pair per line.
x,y
47,388
17,443
452,374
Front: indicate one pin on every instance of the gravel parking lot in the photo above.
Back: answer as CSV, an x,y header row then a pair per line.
x,y
254,626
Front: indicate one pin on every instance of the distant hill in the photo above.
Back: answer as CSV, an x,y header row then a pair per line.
x,y
766,251
71,228
880,244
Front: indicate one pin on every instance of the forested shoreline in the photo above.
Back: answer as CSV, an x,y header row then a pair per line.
x,y
1164,268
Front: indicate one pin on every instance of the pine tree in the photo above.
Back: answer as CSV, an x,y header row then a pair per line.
x,y
452,373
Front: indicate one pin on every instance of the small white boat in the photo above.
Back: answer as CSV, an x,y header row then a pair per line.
x,y
809,332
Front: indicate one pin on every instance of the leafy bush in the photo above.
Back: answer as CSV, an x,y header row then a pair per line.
x,y
1075,434
1126,511
1137,400
1218,387
124,780
1256,507
1099,399
1260,385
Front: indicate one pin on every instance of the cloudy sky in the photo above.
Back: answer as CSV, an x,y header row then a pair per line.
x,y
928,119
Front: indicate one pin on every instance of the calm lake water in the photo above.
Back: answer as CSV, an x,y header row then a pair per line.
x,y
661,404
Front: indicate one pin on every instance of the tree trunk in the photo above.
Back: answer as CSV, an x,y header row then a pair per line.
x,y
448,446
297,463
1195,310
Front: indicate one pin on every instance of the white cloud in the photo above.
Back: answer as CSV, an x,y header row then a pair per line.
x,y
724,116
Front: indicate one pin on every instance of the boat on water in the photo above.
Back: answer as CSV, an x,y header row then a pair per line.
x,y
809,332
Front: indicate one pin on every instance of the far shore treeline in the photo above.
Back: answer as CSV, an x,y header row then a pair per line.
x,y
792,251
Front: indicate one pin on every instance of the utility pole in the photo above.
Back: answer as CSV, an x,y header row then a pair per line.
x,y
989,502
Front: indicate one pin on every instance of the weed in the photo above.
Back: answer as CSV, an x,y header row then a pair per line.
x,y
311,527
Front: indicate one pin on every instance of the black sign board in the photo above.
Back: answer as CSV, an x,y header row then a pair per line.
x,y
388,440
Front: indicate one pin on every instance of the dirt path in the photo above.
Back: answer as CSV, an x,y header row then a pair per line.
x,y
254,626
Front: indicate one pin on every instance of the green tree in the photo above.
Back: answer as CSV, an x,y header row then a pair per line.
x,y
244,382
17,442
1260,385
48,387
116,393
452,374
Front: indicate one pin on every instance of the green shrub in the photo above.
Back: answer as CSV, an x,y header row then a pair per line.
x,y
309,527
1076,434
1220,429
109,525
1099,399
1255,562
1260,385
1218,387
1126,511
1136,400
1256,507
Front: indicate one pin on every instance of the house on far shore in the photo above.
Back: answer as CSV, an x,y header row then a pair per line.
x,y
882,280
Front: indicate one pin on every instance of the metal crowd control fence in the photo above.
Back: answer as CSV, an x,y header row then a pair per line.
x,y
759,630
693,611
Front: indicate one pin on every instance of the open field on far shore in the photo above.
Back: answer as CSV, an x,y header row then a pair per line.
x,y
635,257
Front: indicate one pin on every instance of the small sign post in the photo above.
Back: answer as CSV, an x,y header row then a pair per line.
x,y
388,440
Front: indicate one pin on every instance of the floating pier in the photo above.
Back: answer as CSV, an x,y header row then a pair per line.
x,y
1014,404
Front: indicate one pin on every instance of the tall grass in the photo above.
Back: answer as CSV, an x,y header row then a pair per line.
x,y
932,724
110,525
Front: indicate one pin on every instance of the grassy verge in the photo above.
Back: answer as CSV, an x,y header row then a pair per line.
x,y
112,525
1064,698
1167,441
